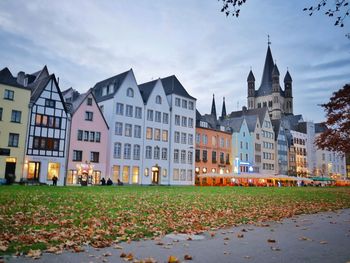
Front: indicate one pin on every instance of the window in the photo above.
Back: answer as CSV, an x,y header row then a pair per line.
x,y
198,155
246,145
137,131
16,116
183,137
222,157
98,136
205,155
9,94
117,153
184,104
46,144
183,175
177,137
189,175
156,152
189,157
177,120
190,122
241,145
0,114
164,153
164,172
92,136
86,136
157,134
118,128
183,156
190,139
149,132
270,104
80,135
53,170
150,115
13,140
135,174
49,103
137,152
129,111
120,109
176,156
222,142
94,157
176,175
128,130
177,102
184,122
88,115
77,156
158,117
213,157
205,139
164,135
158,100
126,172
165,118
198,138
89,101
148,152
138,112
190,105
127,151
130,92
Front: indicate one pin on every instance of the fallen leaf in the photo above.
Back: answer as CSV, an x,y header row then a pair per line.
x,y
107,254
323,242
275,249
187,257
117,247
78,249
173,259
240,235
34,254
160,243
212,234
226,238
123,255
247,257
244,230
271,240
305,238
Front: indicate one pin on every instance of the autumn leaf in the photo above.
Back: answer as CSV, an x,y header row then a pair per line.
x,y
323,242
271,240
187,257
173,259
34,254
240,235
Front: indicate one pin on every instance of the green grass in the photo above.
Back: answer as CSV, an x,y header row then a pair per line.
x,y
39,217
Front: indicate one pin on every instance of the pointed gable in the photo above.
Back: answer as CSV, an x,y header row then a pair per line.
x,y
173,86
287,77
146,89
223,111
251,76
213,108
266,80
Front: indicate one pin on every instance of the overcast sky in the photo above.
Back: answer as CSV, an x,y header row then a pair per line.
x,y
84,42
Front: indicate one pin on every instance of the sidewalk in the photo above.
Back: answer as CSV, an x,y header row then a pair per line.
x,y
323,237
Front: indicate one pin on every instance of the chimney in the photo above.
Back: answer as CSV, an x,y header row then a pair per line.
x,y
20,78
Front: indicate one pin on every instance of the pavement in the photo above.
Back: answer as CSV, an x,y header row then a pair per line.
x,y
322,237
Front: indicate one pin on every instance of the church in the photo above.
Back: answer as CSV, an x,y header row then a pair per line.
x,y
270,94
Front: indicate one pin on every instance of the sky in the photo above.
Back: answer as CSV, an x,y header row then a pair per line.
x,y
84,42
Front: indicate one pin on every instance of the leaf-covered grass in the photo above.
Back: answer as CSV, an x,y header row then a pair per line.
x,y
56,218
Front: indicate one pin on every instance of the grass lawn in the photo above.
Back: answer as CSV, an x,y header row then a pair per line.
x,y
56,218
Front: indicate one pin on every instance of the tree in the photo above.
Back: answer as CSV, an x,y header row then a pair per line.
x,y
336,136
338,9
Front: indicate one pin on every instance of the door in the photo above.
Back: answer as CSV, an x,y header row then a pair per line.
x,y
10,170
155,175
33,171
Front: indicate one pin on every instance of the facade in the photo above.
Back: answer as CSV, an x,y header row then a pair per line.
x,y
270,94
87,158
48,129
182,120
281,147
155,153
14,101
301,155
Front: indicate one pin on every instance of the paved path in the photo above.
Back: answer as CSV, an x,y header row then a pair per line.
x,y
323,237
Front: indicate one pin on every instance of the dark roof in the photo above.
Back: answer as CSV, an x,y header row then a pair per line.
x,y
320,127
276,127
251,76
260,112
173,86
7,79
291,122
251,122
223,111
213,108
116,80
287,77
38,86
146,89
233,123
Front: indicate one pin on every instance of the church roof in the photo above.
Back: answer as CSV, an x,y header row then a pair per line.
x,y
213,108
275,70
287,78
251,76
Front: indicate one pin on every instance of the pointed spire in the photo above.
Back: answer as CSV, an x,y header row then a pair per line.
x,y
213,107
223,112
287,78
251,76
268,67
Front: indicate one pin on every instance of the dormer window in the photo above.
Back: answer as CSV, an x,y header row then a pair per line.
x,y
89,101
49,103
158,100
130,92
104,91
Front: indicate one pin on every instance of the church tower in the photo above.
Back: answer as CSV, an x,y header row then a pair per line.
x,y
251,90
270,94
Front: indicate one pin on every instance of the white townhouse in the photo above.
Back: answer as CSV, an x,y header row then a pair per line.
x,y
120,100
155,154
182,132
47,136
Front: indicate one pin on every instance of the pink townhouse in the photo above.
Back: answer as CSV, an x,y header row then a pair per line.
x,y
88,143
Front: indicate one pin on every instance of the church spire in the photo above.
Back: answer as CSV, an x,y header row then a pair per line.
x,y
213,108
223,112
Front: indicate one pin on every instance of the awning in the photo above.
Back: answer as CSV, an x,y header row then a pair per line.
x,y
322,179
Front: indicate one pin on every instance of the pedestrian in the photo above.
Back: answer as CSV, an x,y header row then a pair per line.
x,y
109,181
103,181
54,180
120,182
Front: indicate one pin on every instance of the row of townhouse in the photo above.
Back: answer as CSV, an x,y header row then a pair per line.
x,y
261,145
138,134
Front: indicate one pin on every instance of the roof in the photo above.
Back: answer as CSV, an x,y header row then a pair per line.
x,y
320,127
213,107
173,86
7,79
116,81
291,122
38,86
234,123
275,70
276,127
259,112
287,77
146,89
251,76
